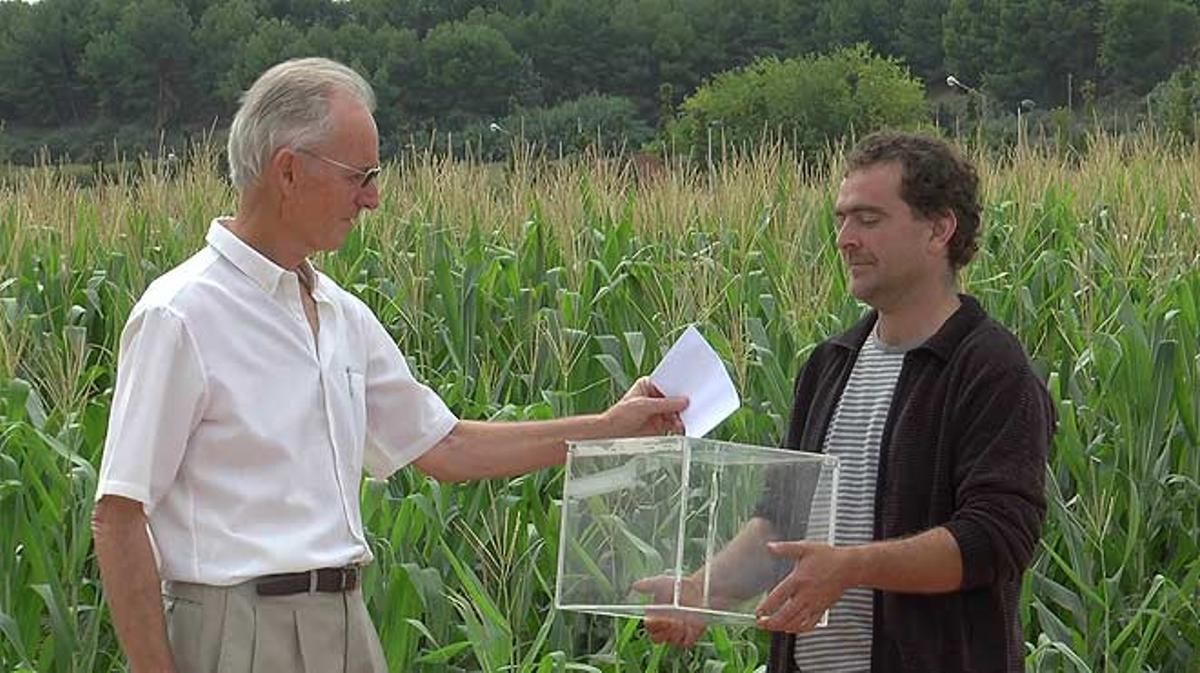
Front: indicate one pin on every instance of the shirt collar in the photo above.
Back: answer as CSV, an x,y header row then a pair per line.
x,y
942,343
264,272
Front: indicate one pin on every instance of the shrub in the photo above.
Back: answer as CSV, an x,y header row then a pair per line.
x,y
806,102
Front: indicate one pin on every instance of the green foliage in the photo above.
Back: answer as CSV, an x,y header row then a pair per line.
x,y
918,36
1039,44
541,289
392,65
272,40
1144,39
807,102
1176,103
873,22
470,69
98,142
605,123
139,68
572,45
447,66
1017,49
967,38
13,15
42,61
220,35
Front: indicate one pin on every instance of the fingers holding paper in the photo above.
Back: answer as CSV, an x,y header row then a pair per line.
x,y
691,367
645,411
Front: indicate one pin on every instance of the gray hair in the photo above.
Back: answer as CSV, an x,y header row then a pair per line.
x,y
288,106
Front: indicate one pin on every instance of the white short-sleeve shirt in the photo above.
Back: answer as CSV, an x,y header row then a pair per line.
x,y
245,437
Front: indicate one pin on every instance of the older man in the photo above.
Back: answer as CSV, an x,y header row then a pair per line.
x,y
251,394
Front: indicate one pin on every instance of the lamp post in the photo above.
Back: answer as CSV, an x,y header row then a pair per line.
x,y
715,123
1025,105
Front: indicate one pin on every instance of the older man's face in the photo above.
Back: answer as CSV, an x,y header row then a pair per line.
x,y
331,178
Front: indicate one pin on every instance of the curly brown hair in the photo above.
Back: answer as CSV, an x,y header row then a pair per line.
x,y
935,179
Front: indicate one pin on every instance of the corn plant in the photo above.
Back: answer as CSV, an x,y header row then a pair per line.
x,y
544,287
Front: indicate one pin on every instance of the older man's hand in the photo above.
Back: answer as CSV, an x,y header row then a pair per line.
x,y
644,411
673,627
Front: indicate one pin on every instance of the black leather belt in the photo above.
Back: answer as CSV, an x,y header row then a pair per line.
x,y
326,580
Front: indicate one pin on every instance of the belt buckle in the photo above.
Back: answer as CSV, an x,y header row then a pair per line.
x,y
342,575
312,582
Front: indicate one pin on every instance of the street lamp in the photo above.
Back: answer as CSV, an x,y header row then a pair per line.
x,y
955,83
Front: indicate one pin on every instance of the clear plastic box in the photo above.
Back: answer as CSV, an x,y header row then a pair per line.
x,y
654,512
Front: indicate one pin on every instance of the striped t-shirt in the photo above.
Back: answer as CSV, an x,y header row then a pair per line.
x,y
854,436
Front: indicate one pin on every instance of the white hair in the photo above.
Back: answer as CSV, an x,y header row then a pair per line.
x,y
288,106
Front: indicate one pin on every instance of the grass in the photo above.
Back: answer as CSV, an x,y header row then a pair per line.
x,y
542,288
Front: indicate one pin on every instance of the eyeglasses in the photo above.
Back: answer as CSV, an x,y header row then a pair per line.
x,y
368,174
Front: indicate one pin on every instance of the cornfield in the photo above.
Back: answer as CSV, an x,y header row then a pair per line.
x,y
543,288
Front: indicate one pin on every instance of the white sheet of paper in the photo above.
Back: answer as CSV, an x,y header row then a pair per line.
x,y
693,369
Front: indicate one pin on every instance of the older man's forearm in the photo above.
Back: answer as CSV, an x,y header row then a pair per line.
x,y
744,567
131,584
481,450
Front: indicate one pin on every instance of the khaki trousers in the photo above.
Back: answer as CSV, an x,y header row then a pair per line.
x,y
234,630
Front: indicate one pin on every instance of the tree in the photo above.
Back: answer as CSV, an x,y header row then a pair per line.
x,y
13,15
870,21
272,41
801,27
44,57
470,71
1144,39
220,38
1017,49
140,68
968,37
572,43
746,30
919,36
423,16
390,59
300,13
655,45
1038,44
1070,41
